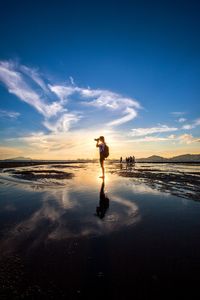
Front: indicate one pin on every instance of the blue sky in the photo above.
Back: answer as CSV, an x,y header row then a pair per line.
x,y
74,70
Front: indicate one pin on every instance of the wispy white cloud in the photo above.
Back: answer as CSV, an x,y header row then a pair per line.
x,y
9,114
105,98
188,126
197,122
112,101
194,124
63,123
95,97
183,139
151,130
178,113
130,115
35,76
62,92
188,138
101,99
182,120
153,139
71,80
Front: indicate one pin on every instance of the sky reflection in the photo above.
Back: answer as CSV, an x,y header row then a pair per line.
x,y
43,211
65,211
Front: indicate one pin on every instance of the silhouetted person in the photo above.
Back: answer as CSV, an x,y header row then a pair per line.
x,y
126,162
103,202
121,159
103,152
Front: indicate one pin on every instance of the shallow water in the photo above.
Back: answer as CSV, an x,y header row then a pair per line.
x,y
53,242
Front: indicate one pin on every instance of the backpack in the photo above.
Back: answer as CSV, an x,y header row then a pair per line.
x,y
106,151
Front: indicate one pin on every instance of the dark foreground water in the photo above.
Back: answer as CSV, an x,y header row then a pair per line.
x,y
66,234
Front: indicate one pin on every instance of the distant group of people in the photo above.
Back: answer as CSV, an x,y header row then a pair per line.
x,y
128,160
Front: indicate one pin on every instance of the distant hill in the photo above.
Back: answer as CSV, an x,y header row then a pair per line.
x,y
186,158
179,158
153,158
21,158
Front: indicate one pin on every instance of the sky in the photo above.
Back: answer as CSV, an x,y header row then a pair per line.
x,y
71,71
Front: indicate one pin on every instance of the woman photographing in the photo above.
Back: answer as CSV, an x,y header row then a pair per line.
x,y
103,152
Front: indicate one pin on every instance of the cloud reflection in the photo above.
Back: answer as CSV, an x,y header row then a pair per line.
x,y
65,213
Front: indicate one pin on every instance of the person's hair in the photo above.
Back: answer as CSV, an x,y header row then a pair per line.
x,y
102,139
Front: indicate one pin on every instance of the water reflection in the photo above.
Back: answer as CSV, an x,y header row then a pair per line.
x,y
130,166
103,202
44,213
51,227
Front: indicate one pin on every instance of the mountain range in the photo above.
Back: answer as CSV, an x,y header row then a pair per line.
x,y
179,158
20,158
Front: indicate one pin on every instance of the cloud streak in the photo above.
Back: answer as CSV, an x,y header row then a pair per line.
x,y
62,124
9,114
35,76
193,125
153,139
16,84
100,99
130,115
178,113
151,130
188,139
182,120
183,139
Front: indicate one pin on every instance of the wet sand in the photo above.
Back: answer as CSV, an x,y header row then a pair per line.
x,y
54,245
185,184
39,174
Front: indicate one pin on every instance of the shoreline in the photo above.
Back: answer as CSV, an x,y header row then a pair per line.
x,y
180,181
15,164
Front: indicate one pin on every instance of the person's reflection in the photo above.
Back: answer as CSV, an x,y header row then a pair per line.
x,y
103,202
130,166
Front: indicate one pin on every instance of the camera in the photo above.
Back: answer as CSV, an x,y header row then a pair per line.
x,y
96,140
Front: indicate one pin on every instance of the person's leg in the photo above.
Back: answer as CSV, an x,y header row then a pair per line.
x,y
102,167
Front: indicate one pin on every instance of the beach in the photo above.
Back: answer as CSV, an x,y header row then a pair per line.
x,y
55,244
